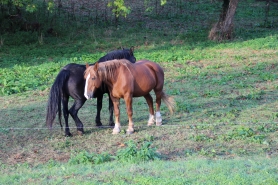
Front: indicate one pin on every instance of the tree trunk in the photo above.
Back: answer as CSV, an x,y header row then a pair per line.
x,y
223,29
266,23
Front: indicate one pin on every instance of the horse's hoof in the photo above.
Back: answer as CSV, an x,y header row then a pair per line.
x,y
150,123
68,135
80,133
158,123
98,123
116,131
112,124
128,132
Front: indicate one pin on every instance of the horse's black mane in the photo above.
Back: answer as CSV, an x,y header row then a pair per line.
x,y
118,54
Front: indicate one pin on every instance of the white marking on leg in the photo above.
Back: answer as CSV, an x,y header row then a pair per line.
x,y
130,128
158,118
151,120
86,86
117,128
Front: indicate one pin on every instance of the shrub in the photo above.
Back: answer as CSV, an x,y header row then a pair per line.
x,y
134,154
85,157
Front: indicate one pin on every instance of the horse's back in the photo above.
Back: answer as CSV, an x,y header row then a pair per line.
x,y
75,68
150,64
154,67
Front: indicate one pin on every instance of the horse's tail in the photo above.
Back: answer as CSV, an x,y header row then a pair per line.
x,y
55,98
169,101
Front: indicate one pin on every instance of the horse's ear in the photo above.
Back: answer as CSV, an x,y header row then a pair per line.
x,y
87,65
132,49
96,66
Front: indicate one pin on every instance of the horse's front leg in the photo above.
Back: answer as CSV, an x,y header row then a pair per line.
x,y
116,103
128,102
111,121
99,107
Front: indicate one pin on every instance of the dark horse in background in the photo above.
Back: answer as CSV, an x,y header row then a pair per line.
x,y
70,82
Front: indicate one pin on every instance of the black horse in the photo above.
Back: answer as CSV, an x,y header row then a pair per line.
x,y
70,82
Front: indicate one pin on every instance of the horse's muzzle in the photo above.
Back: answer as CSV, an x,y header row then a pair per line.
x,y
89,95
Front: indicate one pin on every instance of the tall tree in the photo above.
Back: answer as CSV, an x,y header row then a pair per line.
x,y
223,29
119,9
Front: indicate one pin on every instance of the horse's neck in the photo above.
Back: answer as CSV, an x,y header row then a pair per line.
x,y
107,80
111,78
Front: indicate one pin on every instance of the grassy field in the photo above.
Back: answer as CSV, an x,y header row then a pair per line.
x,y
224,131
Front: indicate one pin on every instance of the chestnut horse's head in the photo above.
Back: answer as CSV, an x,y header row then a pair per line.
x,y
93,80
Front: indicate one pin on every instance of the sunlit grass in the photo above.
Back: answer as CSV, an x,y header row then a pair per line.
x,y
223,131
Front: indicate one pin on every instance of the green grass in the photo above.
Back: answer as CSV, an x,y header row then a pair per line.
x,y
192,171
224,130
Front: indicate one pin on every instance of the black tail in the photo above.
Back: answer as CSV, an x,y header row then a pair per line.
x,y
55,97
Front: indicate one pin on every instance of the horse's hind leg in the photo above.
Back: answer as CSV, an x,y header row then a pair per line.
x,y
158,118
65,100
78,103
149,100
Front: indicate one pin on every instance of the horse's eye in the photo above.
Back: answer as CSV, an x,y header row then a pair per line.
x,y
93,78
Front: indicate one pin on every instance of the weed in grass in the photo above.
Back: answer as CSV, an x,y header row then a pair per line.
x,y
232,114
63,145
183,106
201,138
189,152
51,163
85,157
267,76
268,128
253,95
4,131
207,152
244,133
81,158
133,154
147,138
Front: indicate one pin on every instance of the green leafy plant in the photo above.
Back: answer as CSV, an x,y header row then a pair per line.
x,y
201,138
119,8
85,157
133,154
244,133
208,152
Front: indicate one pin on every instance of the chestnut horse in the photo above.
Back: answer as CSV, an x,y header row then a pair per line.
x,y
126,80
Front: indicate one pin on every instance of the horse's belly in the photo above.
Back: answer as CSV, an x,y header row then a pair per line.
x,y
143,88
144,82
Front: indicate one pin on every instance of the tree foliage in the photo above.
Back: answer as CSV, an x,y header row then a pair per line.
x,y
28,5
119,8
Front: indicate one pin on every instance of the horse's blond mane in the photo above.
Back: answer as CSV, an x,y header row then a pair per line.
x,y
107,69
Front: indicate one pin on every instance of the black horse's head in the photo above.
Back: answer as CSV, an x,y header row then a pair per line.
x,y
119,54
